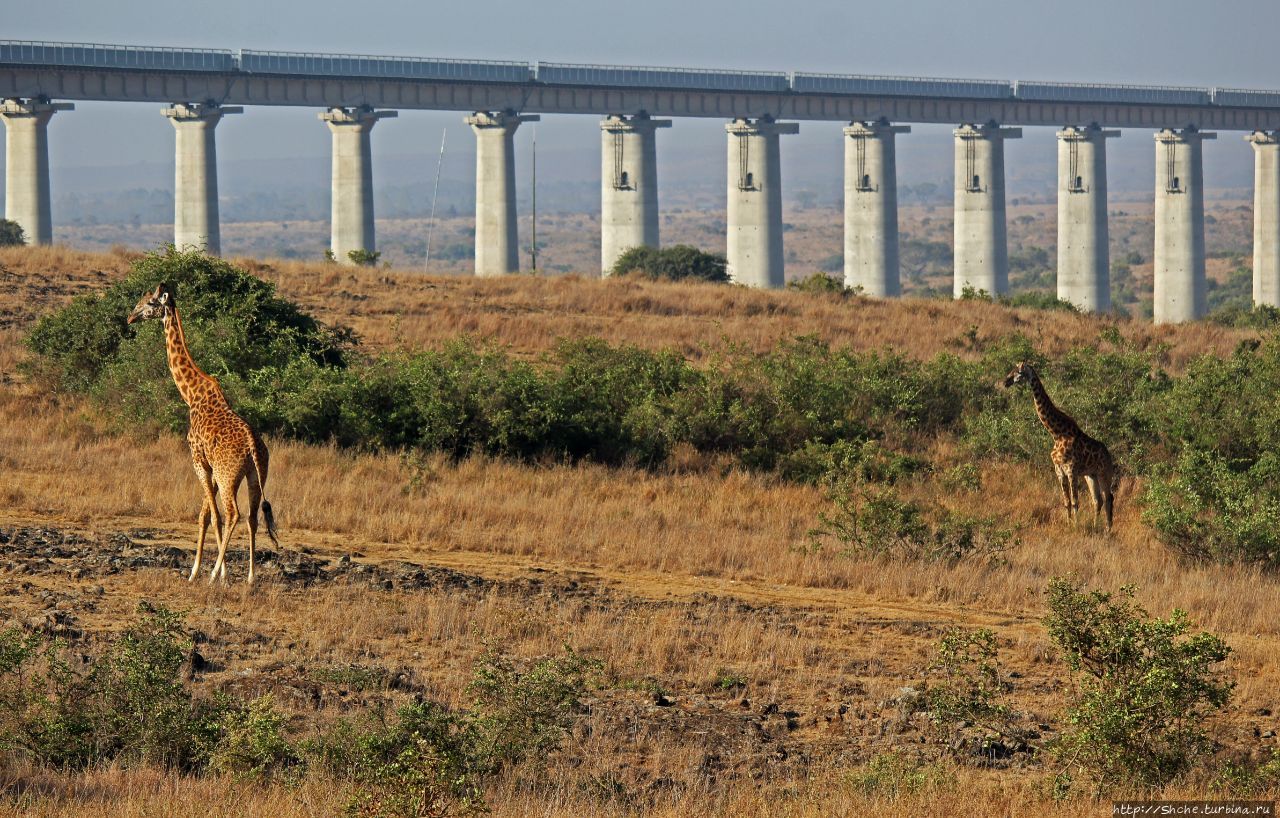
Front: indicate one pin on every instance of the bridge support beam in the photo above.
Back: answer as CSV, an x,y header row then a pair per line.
x,y
871,208
1266,217
981,240
628,185
351,227
1179,246
1084,257
754,241
195,175
26,190
497,240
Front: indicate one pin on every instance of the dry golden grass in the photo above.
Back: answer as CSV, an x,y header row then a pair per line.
x,y
687,573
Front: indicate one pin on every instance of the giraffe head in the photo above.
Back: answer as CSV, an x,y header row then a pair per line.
x,y
1022,373
155,304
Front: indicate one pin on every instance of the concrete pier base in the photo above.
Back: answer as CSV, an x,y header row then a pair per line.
x,y
628,185
1084,258
497,240
1179,245
1266,217
871,208
26,189
754,240
351,226
981,240
195,175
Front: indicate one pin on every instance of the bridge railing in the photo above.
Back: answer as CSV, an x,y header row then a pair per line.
x,y
1099,92
97,55
708,79
358,65
806,83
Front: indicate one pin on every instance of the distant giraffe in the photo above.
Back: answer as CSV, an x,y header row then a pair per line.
x,y
1075,455
224,450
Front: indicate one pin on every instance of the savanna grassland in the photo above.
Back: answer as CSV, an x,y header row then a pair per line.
x,y
747,663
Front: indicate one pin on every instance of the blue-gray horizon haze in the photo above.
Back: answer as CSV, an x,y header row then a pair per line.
x,y
110,146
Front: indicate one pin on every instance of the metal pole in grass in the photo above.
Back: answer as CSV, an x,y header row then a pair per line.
x,y
435,193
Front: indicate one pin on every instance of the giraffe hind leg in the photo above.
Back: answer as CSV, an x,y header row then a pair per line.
x,y
255,499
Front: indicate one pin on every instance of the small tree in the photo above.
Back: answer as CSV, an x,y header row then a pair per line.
x,y
11,234
678,263
365,258
1146,686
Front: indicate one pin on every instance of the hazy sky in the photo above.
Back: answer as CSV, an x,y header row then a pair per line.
x,y
1192,42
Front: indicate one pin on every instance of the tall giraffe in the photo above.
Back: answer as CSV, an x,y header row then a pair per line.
x,y
224,450
1075,455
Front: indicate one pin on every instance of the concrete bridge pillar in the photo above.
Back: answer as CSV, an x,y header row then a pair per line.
x,y
754,245
195,175
497,240
26,189
628,185
1084,258
1179,250
351,196
871,208
1266,217
981,240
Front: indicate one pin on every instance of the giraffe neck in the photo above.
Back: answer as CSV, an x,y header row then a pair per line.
x,y
1058,422
191,381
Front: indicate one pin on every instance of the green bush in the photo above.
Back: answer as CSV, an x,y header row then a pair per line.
x,y
11,234
874,521
128,704
897,773
525,713
1206,510
973,689
822,284
253,743
364,258
1147,687
680,262
236,326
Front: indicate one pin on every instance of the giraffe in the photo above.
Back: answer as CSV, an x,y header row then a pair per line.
x,y
224,450
1075,455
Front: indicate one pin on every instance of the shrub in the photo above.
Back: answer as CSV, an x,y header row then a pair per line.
x,y
876,521
1205,510
127,704
522,714
973,688
1147,687
364,258
896,773
11,234
820,283
253,743
1038,300
677,263
235,324
420,764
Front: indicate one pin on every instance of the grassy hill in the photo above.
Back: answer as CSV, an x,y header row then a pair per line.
x,y
745,669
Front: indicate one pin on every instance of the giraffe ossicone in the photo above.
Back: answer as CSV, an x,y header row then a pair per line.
x,y
224,449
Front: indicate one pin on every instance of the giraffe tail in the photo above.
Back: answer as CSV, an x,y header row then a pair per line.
x,y
258,451
271,522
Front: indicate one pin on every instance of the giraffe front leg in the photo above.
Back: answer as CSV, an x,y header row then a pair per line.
x,y
232,518
208,508
1074,482
1064,484
205,514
